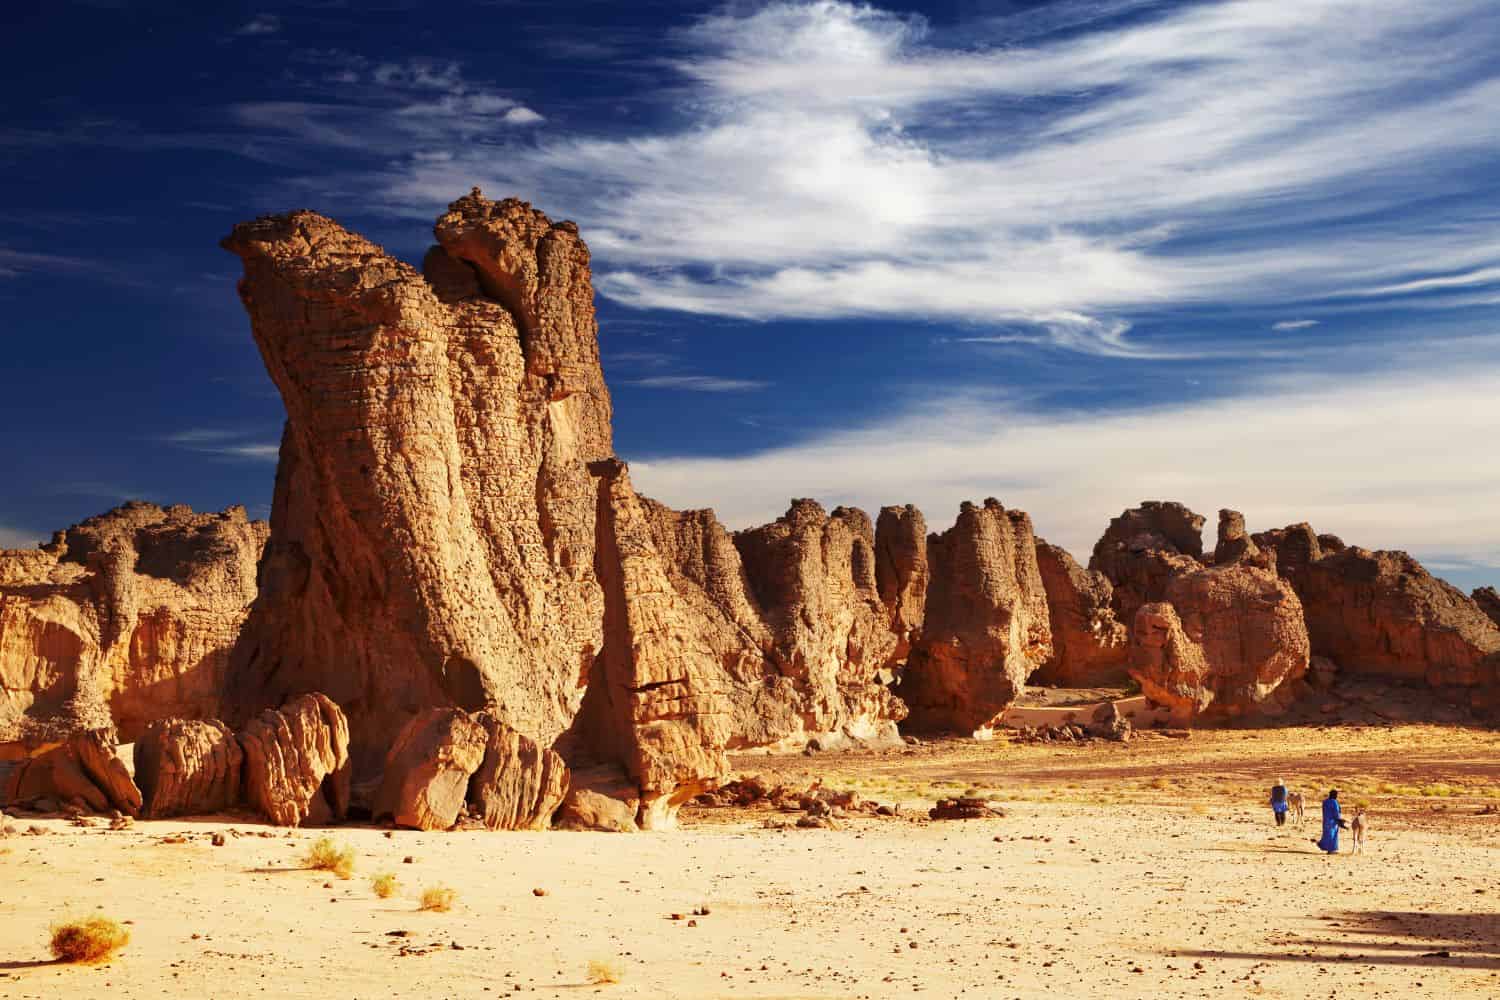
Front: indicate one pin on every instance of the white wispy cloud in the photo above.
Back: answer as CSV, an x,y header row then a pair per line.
x,y
840,159
1293,324
225,443
697,383
260,24
1387,461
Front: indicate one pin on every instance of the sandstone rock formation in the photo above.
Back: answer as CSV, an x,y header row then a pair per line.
x,y
81,770
427,770
1236,546
122,619
519,784
985,625
600,799
1381,613
1227,641
1296,547
1090,646
833,640
187,767
434,521
1144,548
1489,602
296,763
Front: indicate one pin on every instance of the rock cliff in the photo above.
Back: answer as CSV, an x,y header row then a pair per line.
x,y
1089,644
125,618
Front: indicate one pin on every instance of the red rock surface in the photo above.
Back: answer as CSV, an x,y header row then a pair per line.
x,y
124,618
519,784
1489,602
1090,646
296,763
1227,641
426,777
985,626
187,767
1143,549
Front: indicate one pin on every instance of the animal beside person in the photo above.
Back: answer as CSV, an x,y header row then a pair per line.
x,y
1358,827
1295,808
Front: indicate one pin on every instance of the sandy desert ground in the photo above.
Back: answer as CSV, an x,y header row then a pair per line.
x,y
1131,871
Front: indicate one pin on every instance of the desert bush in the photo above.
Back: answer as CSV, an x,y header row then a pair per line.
x,y
384,885
95,939
438,899
603,972
325,855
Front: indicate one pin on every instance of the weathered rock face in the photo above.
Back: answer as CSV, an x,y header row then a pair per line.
x,y
901,572
1227,641
427,770
1489,602
833,641
127,617
599,799
653,703
1144,548
82,770
1236,546
433,527
985,627
1382,613
519,784
1297,547
296,762
1090,646
187,767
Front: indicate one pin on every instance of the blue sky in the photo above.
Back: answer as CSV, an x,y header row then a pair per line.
x,y
1070,254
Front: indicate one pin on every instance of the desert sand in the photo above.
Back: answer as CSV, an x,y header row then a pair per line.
x,y
1149,869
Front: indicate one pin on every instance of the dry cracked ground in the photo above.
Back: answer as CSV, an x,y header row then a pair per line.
x,y
1143,870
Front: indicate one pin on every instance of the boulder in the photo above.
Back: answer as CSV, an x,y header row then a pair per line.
x,y
1143,549
519,784
985,627
427,770
600,799
82,771
187,767
296,763
1296,547
1228,641
1089,644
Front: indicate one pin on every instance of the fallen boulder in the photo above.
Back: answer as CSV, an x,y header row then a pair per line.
x,y
297,762
519,783
428,768
187,767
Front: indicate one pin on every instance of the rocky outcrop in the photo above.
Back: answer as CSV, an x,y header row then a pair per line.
x,y
832,639
1090,646
1296,548
427,770
1227,641
1235,545
985,626
653,703
82,771
1488,601
1381,613
187,767
1144,548
433,527
901,572
296,763
600,799
127,617
519,784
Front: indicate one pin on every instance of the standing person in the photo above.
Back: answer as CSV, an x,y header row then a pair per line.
x,y
1278,802
1332,821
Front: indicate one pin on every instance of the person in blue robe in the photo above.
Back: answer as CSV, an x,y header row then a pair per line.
x,y
1332,820
1279,802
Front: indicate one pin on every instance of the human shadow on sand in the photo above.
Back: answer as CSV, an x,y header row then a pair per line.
x,y
1390,937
